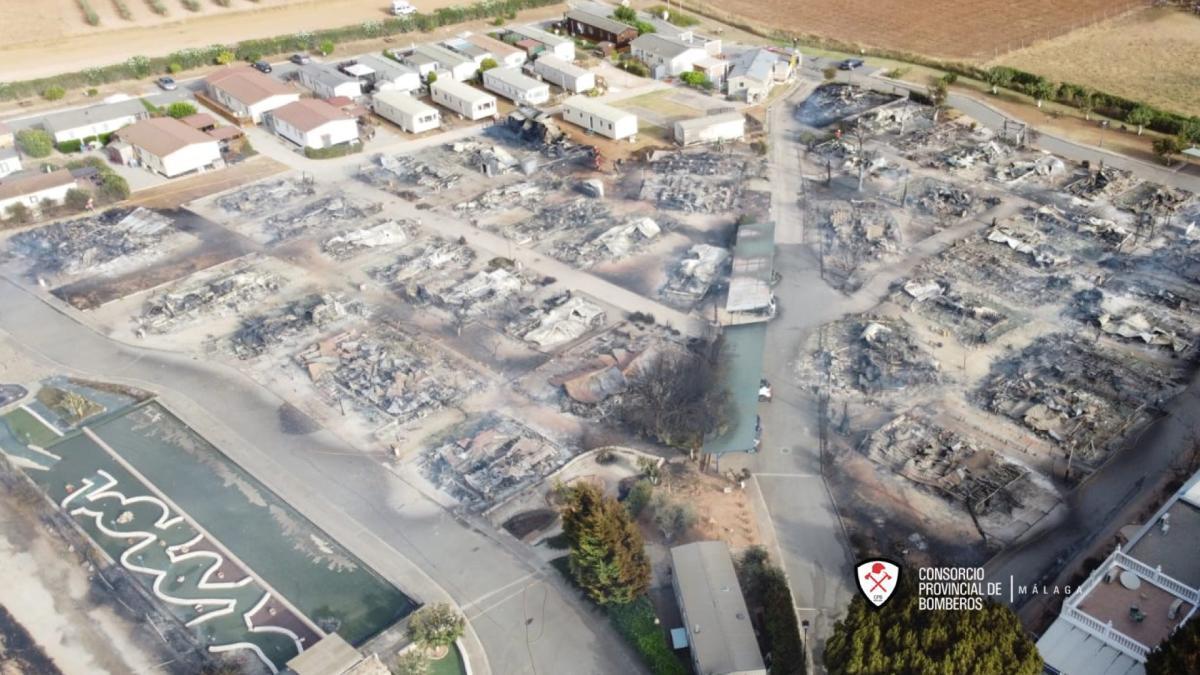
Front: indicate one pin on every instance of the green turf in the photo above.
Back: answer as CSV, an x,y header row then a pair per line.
x,y
451,664
29,429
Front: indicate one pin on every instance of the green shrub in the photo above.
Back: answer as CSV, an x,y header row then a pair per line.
x,y
174,68
18,213
696,79
326,47
334,151
113,187
635,67
765,587
92,91
150,107
122,10
180,109
35,142
157,6
54,93
487,64
89,14
67,147
222,3
76,199
637,623
191,5
638,497
224,57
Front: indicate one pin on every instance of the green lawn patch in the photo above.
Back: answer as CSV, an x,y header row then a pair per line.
x,y
29,429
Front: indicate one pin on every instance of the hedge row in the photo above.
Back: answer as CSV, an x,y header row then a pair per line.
x,y
340,150
137,67
637,623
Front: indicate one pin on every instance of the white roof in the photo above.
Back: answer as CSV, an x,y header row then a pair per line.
x,y
565,67
1072,651
461,91
358,70
706,121
404,103
720,632
591,106
513,78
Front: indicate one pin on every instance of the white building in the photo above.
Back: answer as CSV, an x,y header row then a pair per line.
x,y
248,93
76,125
446,62
729,126
564,75
311,123
169,147
505,54
518,88
407,112
600,118
557,45
668,56
326,81
10,161
1145,590
384,74
32,188
755,72
463,99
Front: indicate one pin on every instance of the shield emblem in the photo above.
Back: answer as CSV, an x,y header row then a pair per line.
x,y
877,579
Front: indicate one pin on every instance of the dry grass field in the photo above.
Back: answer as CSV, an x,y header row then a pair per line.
x,y
1151,56
957,29
50,36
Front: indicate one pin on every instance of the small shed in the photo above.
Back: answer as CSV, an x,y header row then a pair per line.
x,y
408,113
711,129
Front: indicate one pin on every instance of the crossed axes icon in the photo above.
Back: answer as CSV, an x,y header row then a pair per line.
x,y
878,582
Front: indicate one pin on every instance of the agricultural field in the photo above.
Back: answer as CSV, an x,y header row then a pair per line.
x,y
941,28
1147,56
58,36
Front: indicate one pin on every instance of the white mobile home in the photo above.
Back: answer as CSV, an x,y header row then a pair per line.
x,y
76,125
559,46
711,129
314,124
171,148
463,99
667,56
31,189
388,75
407,112
248,93
512,85
326,81
600,118
564,75
457,66
505,54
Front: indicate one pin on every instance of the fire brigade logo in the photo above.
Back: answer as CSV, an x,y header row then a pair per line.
x,y
877,580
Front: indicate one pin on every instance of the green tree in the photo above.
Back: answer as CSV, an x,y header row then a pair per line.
x,y
225,57
626,14
35,142
18,213
679,397
434,626
326,47
997,77
1190,132
174,68
607,557
412,662
53,93
696,79
76,199
180,109
638,497
487,64
1141,116
765,587
431,77
900,638
1043,90
939,91
1168,146
114,188
1179,654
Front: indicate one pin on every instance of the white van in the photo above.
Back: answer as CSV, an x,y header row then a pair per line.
x,y
402,8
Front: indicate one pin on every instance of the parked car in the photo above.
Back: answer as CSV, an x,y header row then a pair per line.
x,y
262,66
851,64
301,59
167,83
402,8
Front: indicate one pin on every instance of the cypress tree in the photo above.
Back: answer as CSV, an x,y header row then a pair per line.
x,y
607,558
1179,654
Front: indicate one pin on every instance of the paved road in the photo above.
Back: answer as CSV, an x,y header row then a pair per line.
x,y
522,615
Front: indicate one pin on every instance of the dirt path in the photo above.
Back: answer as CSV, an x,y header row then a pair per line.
x,y
53,49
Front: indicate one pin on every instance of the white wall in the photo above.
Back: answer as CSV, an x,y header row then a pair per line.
x,y
94,129
622,127
34,200
255,112
333,132
413,124
720,131
9,165
472,111
533,95
191,158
